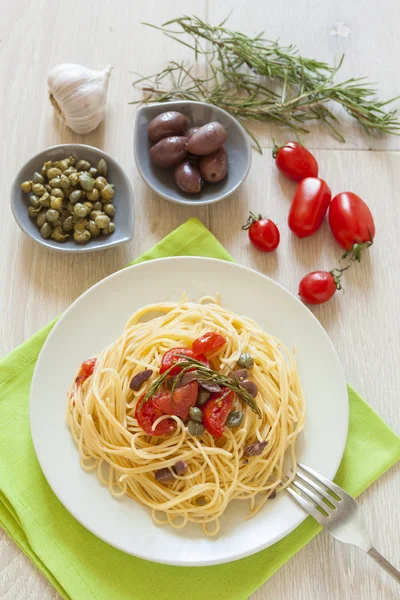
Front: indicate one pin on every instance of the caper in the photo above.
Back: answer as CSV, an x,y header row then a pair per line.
x,y
56,223
26,186
32,212
74,178
102,167
102,221
82,237
56,203
65,182
195,428
83,165
107,193
58,235
93,196
75,196
196,414
41,219
97,205
57,192
246,360
37,178
109,229
47,165
55,182
38,189
45,200
34,200
70,207
93,172
203,397
45,230
43,171
63,164
53,172
48,188
69,171
95,213
71,160
109,210
86,182
88,205
52,215
68,224
80,210
100,183
92,227
80,224
235,418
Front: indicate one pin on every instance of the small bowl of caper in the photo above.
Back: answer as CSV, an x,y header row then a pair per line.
x,y
74,198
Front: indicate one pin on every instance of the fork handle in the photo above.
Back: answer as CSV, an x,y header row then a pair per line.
x,y
385,564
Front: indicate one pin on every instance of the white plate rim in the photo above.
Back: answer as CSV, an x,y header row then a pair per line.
x,y
143,555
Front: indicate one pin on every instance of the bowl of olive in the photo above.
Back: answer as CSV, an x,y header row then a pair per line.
x,y
74,198
190,153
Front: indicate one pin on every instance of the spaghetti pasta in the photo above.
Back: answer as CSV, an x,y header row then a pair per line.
x,y
101,416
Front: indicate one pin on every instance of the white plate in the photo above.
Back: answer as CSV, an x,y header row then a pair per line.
x,y
96,319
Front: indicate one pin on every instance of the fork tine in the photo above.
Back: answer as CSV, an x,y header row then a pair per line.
x,y
313,496
325,481
316,486
308,506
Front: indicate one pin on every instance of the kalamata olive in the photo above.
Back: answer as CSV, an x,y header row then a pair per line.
x,y
180,467
207,139
169,151
209,386
255,449
214,167
250,386
164,475
138,380
189,132
241,374
188,178
186,378
272,495
167,124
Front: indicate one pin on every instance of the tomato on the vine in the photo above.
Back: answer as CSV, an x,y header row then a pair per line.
x,y
294,161
147,413
319,286
352,223
216,411
174,357
86,370
179,402
263,233
309,206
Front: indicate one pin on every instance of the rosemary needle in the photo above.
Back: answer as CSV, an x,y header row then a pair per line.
x,y
259,80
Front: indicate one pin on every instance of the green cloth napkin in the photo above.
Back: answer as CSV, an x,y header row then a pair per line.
x,y
82,567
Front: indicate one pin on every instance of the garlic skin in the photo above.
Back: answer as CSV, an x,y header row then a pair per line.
x,y
78,95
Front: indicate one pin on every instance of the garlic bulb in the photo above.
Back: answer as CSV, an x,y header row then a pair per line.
x,y
78,95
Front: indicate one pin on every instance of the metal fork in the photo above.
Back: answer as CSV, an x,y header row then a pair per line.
x,y
337,511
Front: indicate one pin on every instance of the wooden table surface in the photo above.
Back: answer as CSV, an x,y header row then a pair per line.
x,y
363,323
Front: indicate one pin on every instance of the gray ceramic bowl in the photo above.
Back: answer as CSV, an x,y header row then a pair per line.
x,y
123,199
199,113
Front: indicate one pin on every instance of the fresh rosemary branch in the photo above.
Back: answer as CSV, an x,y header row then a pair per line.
x,y
205,374
260,80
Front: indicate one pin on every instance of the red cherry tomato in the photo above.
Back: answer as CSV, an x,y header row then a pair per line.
x,y
174,356
295,162
207,342
351,222
216,411
309,206
147,413
183,398
319,286
263,233
86,370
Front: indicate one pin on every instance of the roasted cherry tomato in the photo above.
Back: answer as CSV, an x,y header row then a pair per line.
x,y
86,370
207,342
147,413
295,162
263,233
319,286
309,206
352,223
174,356
183,398
216,411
